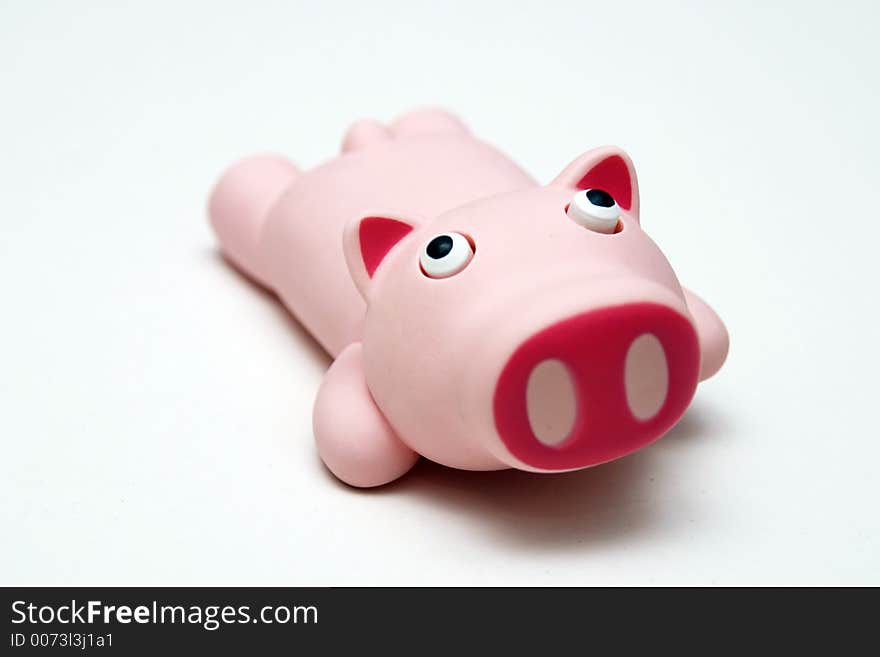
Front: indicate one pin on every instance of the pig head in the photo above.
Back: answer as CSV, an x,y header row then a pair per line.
x,y
539,329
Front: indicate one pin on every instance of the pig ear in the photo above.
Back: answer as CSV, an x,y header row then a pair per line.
x,y
607,168
367,241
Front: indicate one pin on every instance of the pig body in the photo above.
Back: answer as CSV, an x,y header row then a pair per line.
x,y
284,228
477,318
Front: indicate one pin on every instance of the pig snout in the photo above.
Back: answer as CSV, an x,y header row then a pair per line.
x,y
596,385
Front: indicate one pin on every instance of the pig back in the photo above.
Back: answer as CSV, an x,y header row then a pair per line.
x,y
415,179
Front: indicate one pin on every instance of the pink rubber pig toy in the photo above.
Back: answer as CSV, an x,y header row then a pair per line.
x,y
476,318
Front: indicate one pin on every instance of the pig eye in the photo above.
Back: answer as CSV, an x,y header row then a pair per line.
x,y
595,209
446,255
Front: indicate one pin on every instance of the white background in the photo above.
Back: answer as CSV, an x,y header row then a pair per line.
x,y
155,407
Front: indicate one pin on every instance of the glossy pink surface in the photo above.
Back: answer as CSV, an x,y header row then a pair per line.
x,y
443,367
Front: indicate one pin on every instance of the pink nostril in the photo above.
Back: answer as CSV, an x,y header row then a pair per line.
x,y
551,402
646,376
596,386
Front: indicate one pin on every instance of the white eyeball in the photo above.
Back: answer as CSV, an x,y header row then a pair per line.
x,y
595,209
446,255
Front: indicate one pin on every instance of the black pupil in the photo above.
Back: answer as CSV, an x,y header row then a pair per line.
x,y
439,247
600,197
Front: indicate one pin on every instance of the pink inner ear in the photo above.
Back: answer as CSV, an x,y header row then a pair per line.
x,y
612,176
377,235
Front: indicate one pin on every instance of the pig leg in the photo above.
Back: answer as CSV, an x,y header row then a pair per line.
x,y
427,121
711,333
240,203
363,134
354,439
